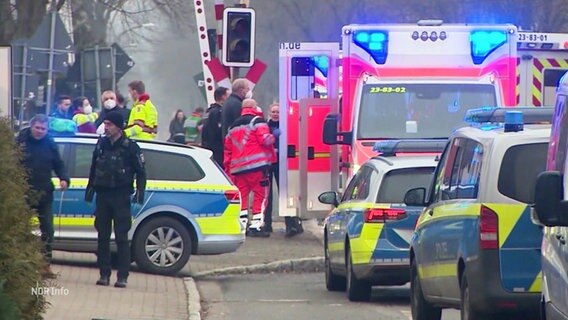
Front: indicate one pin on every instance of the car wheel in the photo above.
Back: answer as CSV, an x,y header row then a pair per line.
x,y
333,282
420,308
542,308
357,290
466,309
162,246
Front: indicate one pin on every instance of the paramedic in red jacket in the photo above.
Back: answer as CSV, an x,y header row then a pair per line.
x,y
249,151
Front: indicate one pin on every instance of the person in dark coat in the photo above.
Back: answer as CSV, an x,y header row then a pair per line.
x,y
233,105
117,161
177,130
211,134
40,158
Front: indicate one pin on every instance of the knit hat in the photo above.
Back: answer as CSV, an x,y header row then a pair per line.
x,y
115,118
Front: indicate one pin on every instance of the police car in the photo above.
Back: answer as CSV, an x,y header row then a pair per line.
x,y
367,235
475,247
190,206
552,211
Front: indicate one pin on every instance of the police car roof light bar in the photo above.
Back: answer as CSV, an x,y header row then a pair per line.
x,y
392,147
531,115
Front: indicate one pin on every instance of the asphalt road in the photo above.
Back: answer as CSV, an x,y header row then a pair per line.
x,y
297,297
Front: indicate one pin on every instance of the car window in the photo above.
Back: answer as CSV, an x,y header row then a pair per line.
x,y
81,156
162,165
350,187
469,170
462,181
396,182
519,169
559,145
444,172
361,192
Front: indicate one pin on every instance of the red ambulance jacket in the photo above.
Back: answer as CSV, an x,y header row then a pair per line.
x,y
248,144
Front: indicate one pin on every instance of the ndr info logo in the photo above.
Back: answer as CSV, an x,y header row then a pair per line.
x,y
49,290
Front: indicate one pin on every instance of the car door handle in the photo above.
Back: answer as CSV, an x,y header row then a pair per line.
x,y
560,238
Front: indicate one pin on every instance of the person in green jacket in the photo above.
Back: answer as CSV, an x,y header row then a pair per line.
x,y
193,126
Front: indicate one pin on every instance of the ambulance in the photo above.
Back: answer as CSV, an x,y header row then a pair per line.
x,y
398,81
542,60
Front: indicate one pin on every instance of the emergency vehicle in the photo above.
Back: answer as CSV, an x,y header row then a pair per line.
x,y
475,246
551,193
191,206
398,81
367,235
542,60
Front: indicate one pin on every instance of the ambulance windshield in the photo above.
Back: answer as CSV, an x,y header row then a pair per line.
x,y
425,110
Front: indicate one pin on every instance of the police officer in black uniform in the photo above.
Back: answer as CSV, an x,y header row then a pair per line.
x,y
117,160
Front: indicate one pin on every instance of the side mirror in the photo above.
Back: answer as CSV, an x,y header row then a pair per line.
x,y
330,133
551,209
415,197
329,197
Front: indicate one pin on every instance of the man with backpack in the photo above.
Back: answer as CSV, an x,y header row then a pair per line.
x,y
211,133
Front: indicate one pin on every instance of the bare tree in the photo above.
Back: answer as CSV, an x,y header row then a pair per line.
x,y
21,18
92,18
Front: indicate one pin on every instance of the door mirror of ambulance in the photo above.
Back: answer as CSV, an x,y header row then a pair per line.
x,y
415,197
330,134
551,209
330,129
329,197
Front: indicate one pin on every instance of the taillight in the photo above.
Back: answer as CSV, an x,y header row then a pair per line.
x,y
384,214
488,229
233,196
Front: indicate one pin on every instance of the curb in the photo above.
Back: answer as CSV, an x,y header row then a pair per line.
x,y
314,264
193,299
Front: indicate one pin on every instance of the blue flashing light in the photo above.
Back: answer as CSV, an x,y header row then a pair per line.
x,y
483,43
373,42
322,64
385,147
511,119
389,148
362,37
514,121
378,37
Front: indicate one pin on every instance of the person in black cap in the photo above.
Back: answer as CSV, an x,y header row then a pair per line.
x,y
117,161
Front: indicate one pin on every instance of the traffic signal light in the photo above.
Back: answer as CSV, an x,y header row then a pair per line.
x,y
238,37
212,37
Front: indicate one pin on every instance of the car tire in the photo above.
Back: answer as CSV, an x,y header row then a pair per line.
x,y
357,290
165,258
420,308
542,308
467,311
333,282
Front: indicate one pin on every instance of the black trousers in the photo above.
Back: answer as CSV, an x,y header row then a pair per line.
x,y
44,208
274,173
113,207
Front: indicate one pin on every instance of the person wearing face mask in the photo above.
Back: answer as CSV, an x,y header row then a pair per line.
x,y
109,101
84,116
233,105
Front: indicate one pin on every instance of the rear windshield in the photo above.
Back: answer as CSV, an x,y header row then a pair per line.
x,y
397,182
519,169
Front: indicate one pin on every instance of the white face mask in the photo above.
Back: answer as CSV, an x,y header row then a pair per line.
x,y
249,95
88,109
109,104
